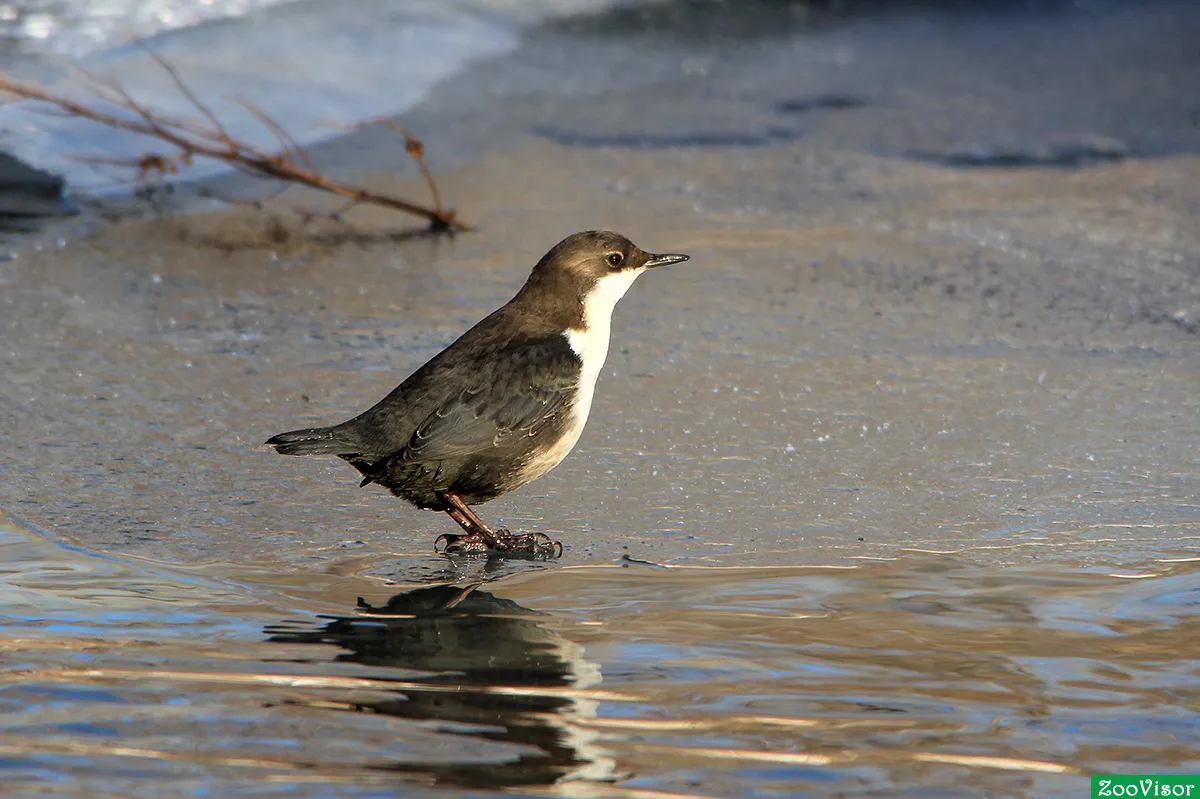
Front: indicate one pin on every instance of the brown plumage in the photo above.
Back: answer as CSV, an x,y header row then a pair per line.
x,y
504,403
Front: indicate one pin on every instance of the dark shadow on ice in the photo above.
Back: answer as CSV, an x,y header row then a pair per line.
x,y
820,102
1080,150
655,141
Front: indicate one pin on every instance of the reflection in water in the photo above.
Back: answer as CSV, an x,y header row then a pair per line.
x,y
921,676
508,673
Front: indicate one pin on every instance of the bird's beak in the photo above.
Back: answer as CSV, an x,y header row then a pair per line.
x,y
666,259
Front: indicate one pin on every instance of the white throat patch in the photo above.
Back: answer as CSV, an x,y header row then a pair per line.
x,y
591,342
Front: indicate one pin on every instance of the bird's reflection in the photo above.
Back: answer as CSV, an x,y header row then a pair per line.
x,y
497,655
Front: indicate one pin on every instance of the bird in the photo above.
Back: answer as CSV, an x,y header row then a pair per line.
x,y
503,404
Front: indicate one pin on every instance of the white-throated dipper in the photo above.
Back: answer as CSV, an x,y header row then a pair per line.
x,y
503,404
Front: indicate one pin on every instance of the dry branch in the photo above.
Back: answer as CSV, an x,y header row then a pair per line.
x,y
208,138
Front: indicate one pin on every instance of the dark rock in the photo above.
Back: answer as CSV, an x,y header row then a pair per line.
x,y
820,102
1072,150
27,193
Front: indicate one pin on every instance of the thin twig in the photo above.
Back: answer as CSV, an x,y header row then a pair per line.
x,y
412,145
186,91
416,151
287,144
194,139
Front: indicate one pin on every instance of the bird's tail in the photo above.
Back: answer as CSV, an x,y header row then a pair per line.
x,y
314,441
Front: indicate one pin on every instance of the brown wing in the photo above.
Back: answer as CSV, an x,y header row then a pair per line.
x,y
519,391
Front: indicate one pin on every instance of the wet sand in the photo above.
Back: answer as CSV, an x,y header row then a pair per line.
x,y
869,352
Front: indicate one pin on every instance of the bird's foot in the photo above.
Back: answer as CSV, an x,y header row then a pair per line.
x,y
536,546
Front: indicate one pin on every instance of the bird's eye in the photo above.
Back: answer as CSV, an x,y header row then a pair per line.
x,y
615,258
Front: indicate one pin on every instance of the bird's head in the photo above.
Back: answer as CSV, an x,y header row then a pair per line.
x,y
592,270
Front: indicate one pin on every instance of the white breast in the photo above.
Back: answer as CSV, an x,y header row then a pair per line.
x,y
590,343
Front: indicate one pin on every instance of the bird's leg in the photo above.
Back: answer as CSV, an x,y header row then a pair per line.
x,y
463,521
472,540
479,538
490,535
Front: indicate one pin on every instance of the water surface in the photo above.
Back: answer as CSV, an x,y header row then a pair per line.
x,y
917,676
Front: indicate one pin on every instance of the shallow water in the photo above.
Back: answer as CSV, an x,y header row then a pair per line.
x,y
921,675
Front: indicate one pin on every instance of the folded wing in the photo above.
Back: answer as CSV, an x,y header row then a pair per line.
x,y
519,392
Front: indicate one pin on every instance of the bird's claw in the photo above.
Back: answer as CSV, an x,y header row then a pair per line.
x,y
449,544
536,546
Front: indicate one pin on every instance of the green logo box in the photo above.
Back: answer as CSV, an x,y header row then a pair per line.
x,y
1147,785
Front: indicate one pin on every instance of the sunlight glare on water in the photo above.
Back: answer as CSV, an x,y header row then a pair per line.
x,y
924,674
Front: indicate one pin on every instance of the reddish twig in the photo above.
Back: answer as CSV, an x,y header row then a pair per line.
x,y
416,151
412,145
188,94
194,138
287,144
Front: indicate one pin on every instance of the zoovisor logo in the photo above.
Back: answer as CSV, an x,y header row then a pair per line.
x,y
1147,785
